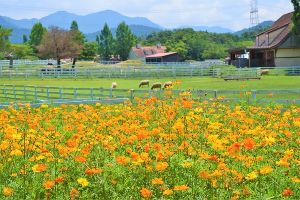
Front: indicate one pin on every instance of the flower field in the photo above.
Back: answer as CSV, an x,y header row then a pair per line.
x,y
153,149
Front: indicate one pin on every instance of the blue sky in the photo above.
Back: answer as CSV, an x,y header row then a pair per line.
x,y
233,14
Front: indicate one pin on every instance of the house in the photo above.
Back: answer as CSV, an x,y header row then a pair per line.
x,y
277,46
153,54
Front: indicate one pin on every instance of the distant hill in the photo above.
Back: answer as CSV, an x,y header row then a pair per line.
x,y
89,24
17,34
262,26
210,29
137,30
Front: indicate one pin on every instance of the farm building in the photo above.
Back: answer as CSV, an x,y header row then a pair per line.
x,y
275,47
152,54
163,57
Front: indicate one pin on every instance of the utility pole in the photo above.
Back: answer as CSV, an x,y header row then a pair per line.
x,y
254,19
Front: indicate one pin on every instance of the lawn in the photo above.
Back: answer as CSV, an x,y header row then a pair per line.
x,y
267,82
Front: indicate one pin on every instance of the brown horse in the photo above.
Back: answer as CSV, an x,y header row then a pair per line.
x,y
156,86
144,83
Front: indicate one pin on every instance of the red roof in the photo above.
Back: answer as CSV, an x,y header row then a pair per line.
x,y
148,50
282,23
160,55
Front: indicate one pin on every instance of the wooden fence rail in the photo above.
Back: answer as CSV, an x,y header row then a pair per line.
x,y
41,93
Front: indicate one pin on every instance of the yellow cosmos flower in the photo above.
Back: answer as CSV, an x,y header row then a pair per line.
x,y
295,180
83,182
266,170
251,176
157,181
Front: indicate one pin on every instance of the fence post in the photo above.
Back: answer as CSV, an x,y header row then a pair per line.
x,y
60,93
131,94
254,93
14,91
48,94
92,93
216,94
25,92
4,91
111,93
75,93
35,93
100,92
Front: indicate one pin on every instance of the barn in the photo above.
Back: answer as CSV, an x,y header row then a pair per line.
x,y
163,57
277,46
153,54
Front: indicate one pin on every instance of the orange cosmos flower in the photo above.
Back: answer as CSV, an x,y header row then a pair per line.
x,y
39,168
187,104
203,175
157,181
93,171
249,143
74,193
161,166
168,192
145,193
49,184
122,160
7,191
235,147
59,179
80,159
181,188
287,192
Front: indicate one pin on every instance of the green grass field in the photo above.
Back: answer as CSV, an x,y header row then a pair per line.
x,y
267,82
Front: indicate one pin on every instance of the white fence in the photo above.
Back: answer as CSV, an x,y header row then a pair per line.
x,y
41,94
6,63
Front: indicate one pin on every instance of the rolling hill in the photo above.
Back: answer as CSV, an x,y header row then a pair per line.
x,y
89,24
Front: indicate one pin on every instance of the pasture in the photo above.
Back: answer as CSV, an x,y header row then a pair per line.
x,y
267,82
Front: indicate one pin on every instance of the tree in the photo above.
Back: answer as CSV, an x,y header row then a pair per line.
x,y
78,37
124,41
36,35
59,44
25,39
5,45
296,18
179,47
74,26
105,43
22,51
89,51
4,39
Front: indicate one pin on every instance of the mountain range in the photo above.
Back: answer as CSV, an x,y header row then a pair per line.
x,y
91,24
262,26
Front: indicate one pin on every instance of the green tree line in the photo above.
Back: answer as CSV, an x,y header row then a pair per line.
x,y
190,44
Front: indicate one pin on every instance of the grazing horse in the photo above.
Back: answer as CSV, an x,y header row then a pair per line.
x,y
265,72
114,85
167,84
144,83
156,86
